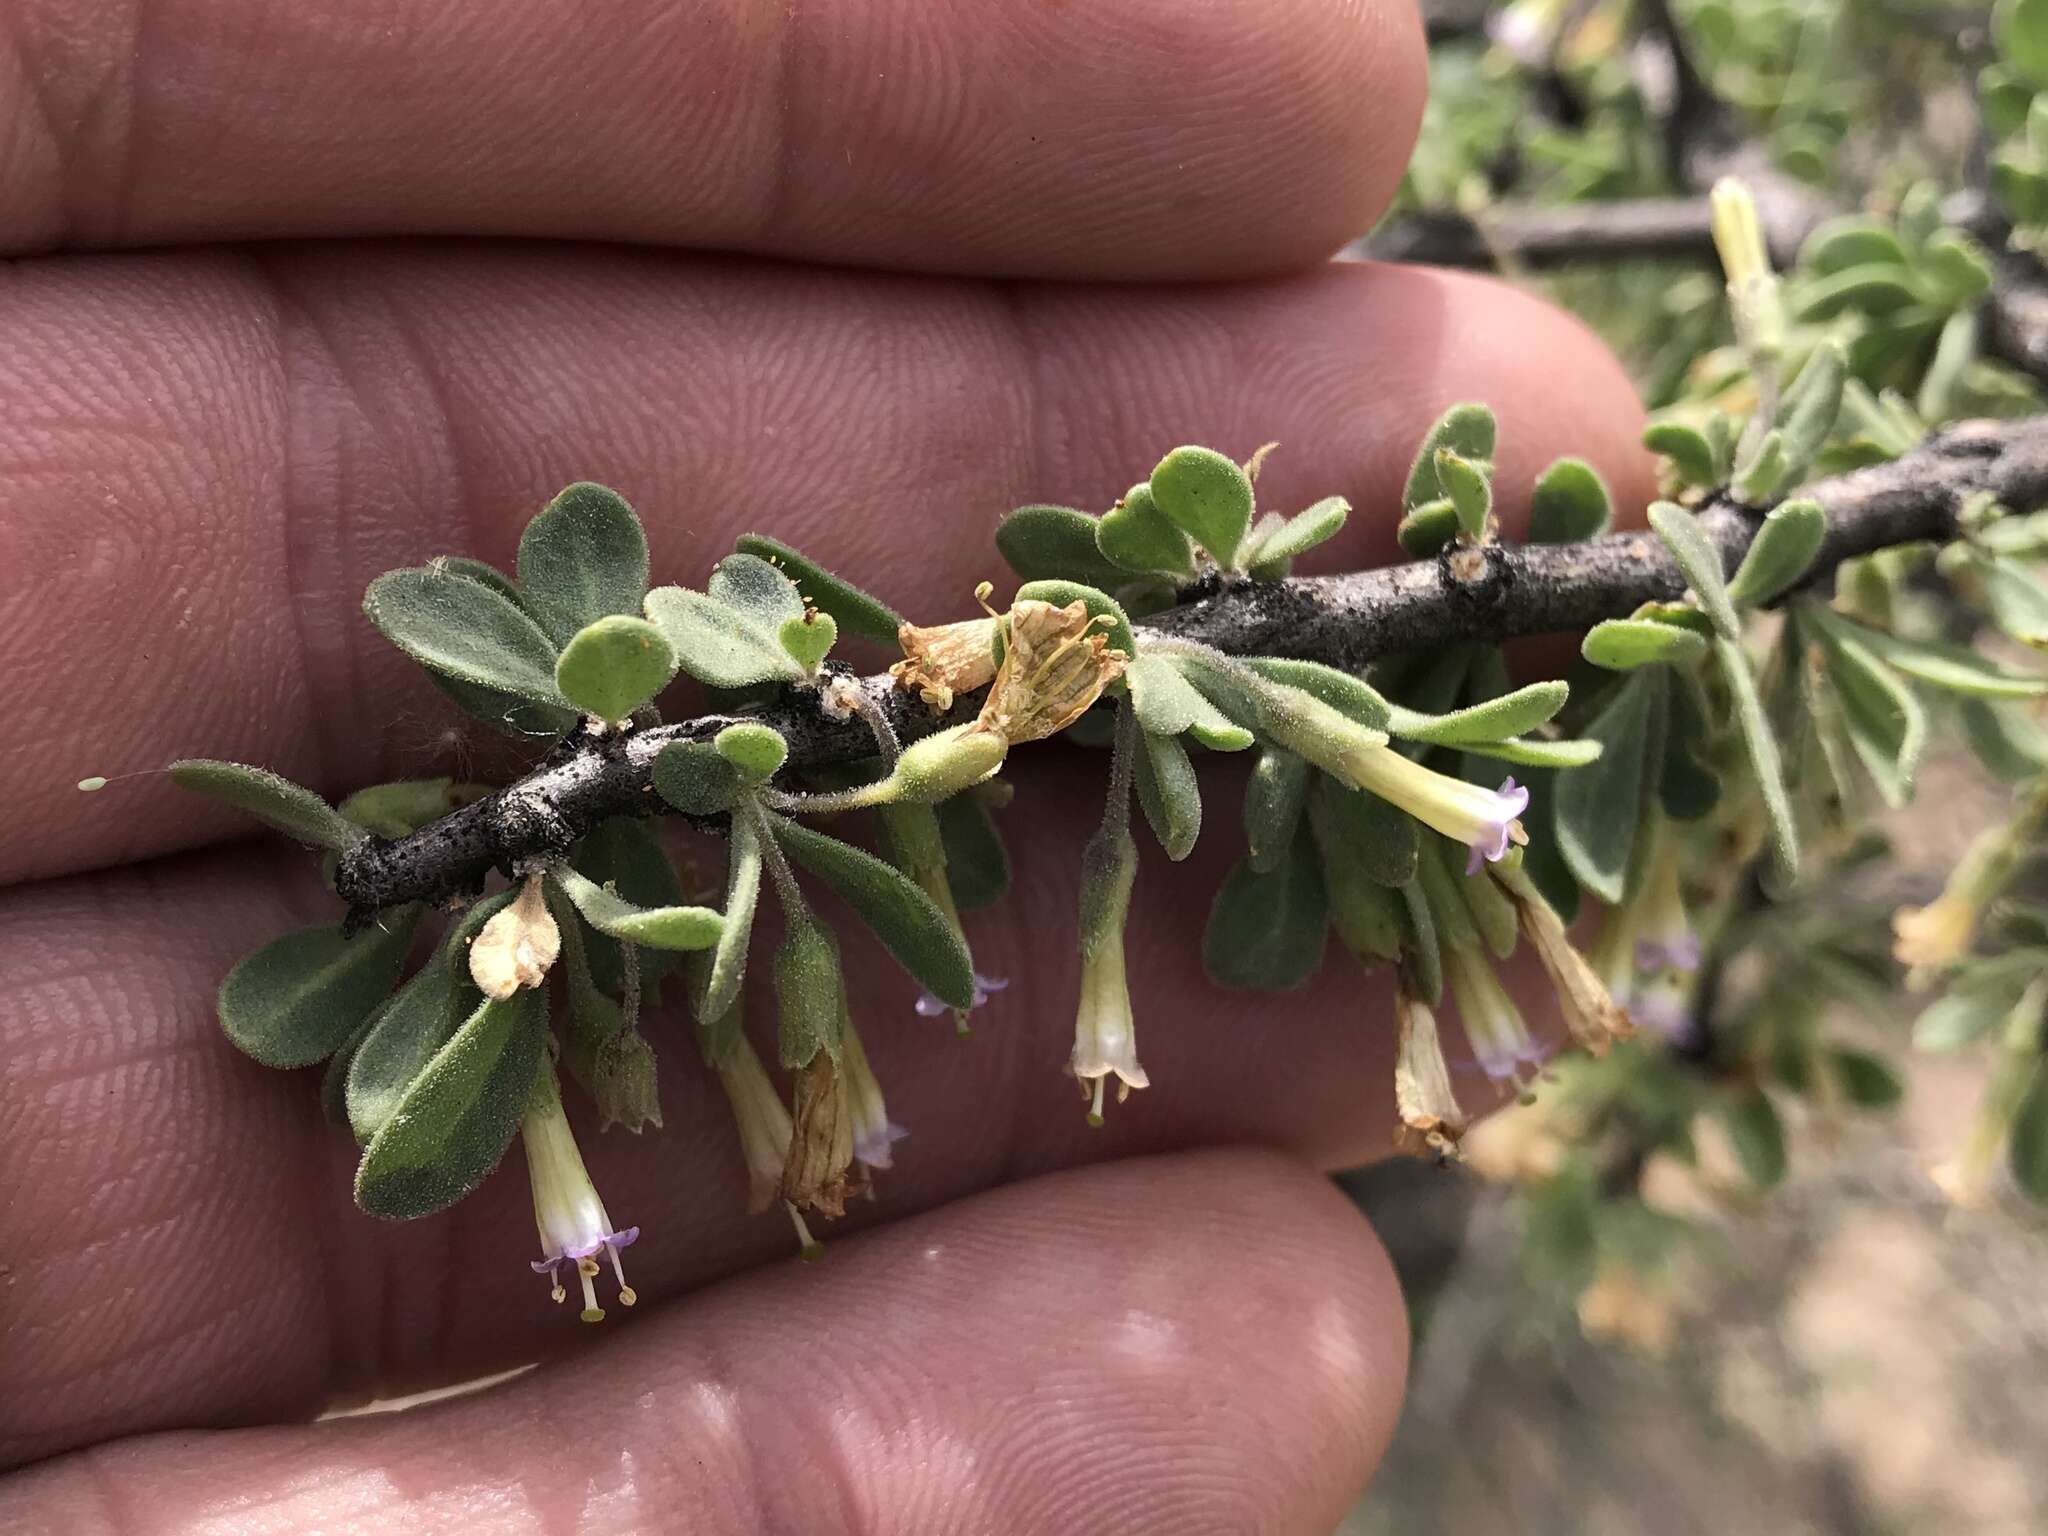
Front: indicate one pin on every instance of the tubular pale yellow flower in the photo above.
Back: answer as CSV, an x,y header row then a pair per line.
x,y
1484,820
1939,934
1105,1038
874,1133
517,946
574,1227
1499,1035
763,1121
1665,940
1431,1119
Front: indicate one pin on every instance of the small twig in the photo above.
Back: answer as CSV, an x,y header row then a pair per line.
x,y
1343,621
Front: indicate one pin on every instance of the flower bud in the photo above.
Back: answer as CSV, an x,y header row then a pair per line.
x,y
622,1081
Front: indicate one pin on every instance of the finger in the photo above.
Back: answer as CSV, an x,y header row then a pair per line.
x,y
1106,138
183,1248
204,462
1210,1342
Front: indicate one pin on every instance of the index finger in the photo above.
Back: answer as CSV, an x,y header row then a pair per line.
x,y
1130,139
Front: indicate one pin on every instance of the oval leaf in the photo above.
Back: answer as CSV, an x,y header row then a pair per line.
x,y
1136,535
1206,495
1600,807
1622,645
906,920
1467,430
1267,931
452,1125
613,665
1570,503
1169,794
292,809
1167,704
1493,720
464,631
297,1000
1055,543
581,559
1300,533
1699,560
1784,546
856,612
679,927
1274,800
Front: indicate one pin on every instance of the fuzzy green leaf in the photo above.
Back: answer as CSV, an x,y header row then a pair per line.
x,y
808,639
906,920
757,751
1699,560
1761,744
465,632
1137,536
1536,751
1055,543
1268,931
677,927
405,805
613,665
1168,704
1169,794
407,1034
1422,956
1366,912
581,559
1600,807
1784,546
1866,1081
1470,489
977,864
1691,455
1377,838
452,1125
1885,722
810,993
623,854
728,967
1350,696
1495,719
1953,667
1467,430
1274,800
1758,477
1622,645
1570,503
1811,406
696,778
1429,527
856,612
291,808
1299,534
299,998
1207,496
730,634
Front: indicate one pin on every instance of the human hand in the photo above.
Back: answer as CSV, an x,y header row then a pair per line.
x,y
205,453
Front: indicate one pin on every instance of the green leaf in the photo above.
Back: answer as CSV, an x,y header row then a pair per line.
x,y
2005,738
1622,645
1467,430
742,898
1422,957
1959,1018
1378,839
1875,288
977,865
296,1000
809,639
1811,406
505,711
1136,535
1429,527
612,666
1098,603
906,920
1274,800
2027,1149
2016,599
1699,560
292,809
465,632
405,805
1299,534
1600,807
1853,241
1055,543
2021,28
757,751
452,1125
1866,1081
1757,1135
623,854
581,559
1352,697
407,1034
810,993
1785,544
1470,492
1494,719
1761,745
730,634
1367,913
1953,667
1570,503
677,927
855,611
696,778
1207,496
1885,722
1267,931
1758,477
1691,455
1169,794
1687,784
1536,751
1167,704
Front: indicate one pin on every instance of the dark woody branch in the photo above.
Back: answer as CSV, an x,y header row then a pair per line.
x,y
1344,621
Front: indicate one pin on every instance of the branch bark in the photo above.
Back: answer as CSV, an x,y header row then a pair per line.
x,y
1342,621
